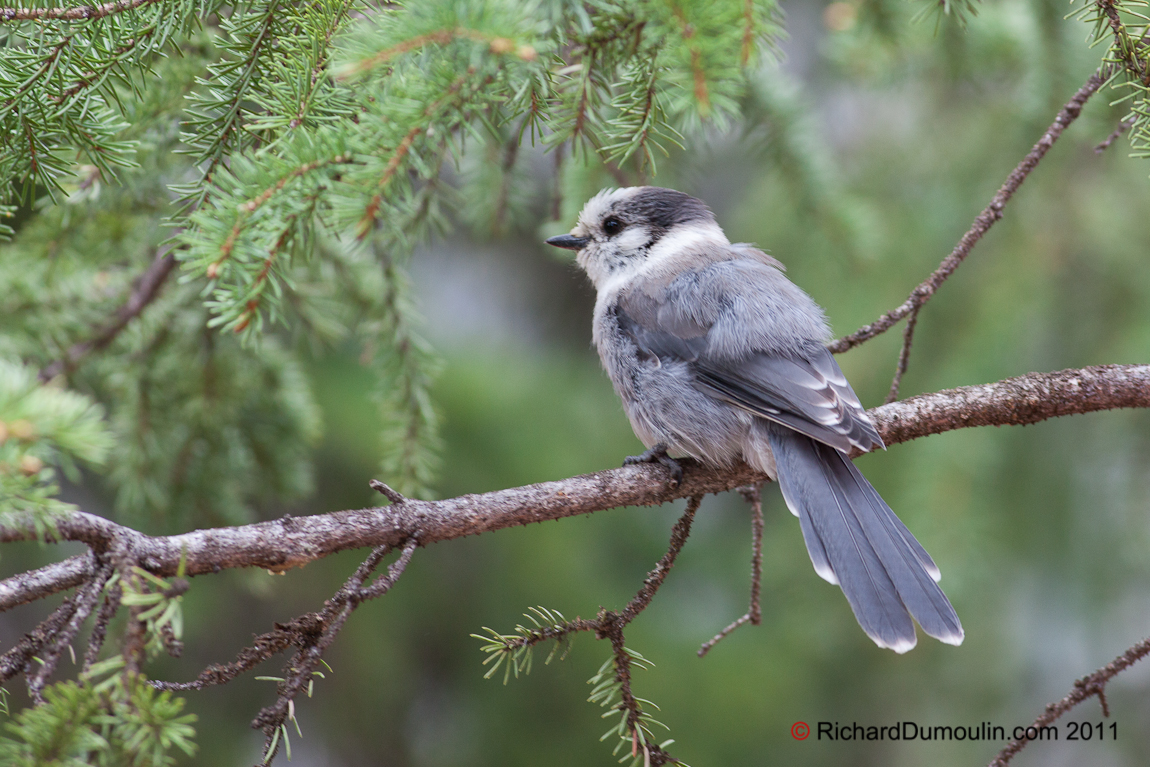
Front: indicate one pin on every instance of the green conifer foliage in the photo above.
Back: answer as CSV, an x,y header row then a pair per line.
x,y
198,195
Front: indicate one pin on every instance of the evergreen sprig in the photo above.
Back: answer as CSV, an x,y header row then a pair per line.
x,y
64,76
514,652
43,429
634,728
1123,26
110,717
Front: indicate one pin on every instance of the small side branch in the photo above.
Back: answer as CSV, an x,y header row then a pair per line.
x,y
17,659
49,656
604,623
903,357
315,642
1086,687
104,616
46,581
1123,126
754,613
982,224
656,577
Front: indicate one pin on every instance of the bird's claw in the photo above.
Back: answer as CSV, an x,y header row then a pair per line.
x,y
658,454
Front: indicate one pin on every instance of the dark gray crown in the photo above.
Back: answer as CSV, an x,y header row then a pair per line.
x,y
665,208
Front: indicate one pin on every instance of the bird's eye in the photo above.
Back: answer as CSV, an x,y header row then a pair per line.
x,y
612,226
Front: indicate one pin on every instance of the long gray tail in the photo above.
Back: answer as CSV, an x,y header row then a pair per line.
x,y
856,541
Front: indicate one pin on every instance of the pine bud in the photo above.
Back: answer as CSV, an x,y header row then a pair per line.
x,y
30,465
22,429
501,45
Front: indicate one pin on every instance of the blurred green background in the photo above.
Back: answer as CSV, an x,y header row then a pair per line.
x,y
903,132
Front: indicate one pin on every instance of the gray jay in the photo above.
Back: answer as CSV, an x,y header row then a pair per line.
x,y
718,356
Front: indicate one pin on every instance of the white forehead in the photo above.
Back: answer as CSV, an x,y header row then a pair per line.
x,y
597,207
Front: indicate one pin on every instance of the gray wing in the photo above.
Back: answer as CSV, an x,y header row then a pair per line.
x,y
801,388
808,393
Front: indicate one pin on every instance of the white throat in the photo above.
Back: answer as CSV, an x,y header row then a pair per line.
x,y
670,245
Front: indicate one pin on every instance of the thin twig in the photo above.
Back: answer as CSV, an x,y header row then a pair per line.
x,y
1086,687
656,577
903,357
263,647
391,494
107,611
315,643
17,659
49,657
991,214
1123,126
754,613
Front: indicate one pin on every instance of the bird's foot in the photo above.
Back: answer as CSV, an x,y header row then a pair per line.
x,y
658,454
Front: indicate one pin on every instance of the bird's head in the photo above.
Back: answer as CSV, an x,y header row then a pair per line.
x,y
620,231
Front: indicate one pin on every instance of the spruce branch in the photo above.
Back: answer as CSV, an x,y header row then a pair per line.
x,y
65,82
455,97
498,45
1128,56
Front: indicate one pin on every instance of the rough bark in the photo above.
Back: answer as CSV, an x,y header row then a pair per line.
x,y
295,541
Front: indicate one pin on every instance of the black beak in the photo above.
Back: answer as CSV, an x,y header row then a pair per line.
x,y
568,242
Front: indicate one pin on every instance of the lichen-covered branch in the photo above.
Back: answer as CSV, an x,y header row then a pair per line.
x,y
295,541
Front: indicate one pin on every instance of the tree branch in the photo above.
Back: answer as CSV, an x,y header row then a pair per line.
x,y
986,219
1086,687
145,290
293,542
71,14
37,584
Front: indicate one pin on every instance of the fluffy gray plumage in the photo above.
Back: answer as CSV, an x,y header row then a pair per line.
x,y
717,355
